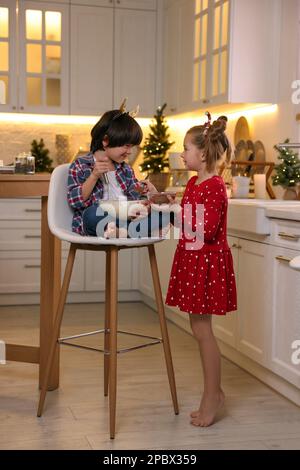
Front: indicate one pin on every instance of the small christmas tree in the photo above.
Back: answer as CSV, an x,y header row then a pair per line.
x,y
41,154
156,145
288,172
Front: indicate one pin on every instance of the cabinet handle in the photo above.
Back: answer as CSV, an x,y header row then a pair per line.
x,y
32,236
283,258
205,101
22,107
173,109
32,210
289,236
236,246
27,266
14,107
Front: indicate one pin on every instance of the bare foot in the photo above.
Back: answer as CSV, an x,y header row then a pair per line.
x,y
209,407
112,231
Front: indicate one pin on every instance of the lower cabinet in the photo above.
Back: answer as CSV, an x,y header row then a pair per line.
x,y
21,270
246,329
253,299
20,263
164,255
266,326
225,327
284,326
95,263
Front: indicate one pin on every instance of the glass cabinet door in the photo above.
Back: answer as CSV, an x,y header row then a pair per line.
x,y
44,57
8,92
211,45
220,47
201,51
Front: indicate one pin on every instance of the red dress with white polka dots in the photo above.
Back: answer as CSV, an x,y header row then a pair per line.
x,y
202,280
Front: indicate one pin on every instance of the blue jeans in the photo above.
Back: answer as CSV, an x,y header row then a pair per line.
x,y
94,225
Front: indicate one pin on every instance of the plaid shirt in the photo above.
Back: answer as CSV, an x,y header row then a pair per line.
x,y
79,172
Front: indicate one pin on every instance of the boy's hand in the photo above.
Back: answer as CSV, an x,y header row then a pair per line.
x,y
101,167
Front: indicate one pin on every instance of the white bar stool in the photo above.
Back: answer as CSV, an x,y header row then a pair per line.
x,y
60,220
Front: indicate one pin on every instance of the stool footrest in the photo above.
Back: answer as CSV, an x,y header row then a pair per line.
x,y
64,341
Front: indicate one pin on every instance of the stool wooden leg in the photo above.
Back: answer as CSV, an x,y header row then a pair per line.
x,y
107,326
57,325
113,339
163,325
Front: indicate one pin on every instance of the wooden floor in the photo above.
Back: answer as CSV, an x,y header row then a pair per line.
x,y
76,415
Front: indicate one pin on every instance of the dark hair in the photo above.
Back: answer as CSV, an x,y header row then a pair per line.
x,y
213,140
120,129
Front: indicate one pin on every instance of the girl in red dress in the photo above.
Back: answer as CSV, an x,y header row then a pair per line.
x,y
202,281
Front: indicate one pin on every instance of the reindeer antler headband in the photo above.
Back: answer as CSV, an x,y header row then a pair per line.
x,y
133,113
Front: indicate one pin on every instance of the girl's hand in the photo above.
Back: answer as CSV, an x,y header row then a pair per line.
x,y
145,187
101,167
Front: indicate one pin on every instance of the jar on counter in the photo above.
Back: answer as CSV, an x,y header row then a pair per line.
x,y
21,163
30,164
25,163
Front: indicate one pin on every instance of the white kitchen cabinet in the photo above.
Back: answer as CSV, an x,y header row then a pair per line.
x,y
121,58
171,56
20,240
225,327
178,55
21,271
135,59
145,278
91,60
165,251
253,300
34,57
95,3
52,1
285,321
8,56
215,44
95,270
135,4
246,329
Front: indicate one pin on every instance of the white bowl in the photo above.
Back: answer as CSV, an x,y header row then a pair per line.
x,y
124,210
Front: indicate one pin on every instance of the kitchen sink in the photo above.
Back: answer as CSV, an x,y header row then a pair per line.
x,y
252,215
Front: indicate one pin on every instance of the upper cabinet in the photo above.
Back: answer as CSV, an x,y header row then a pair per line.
x,y
34,57
113,56
91,59
8,83
136,4
135,59
44,52
220,52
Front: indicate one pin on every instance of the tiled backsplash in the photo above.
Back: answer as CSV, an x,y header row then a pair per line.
x,y
17,137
